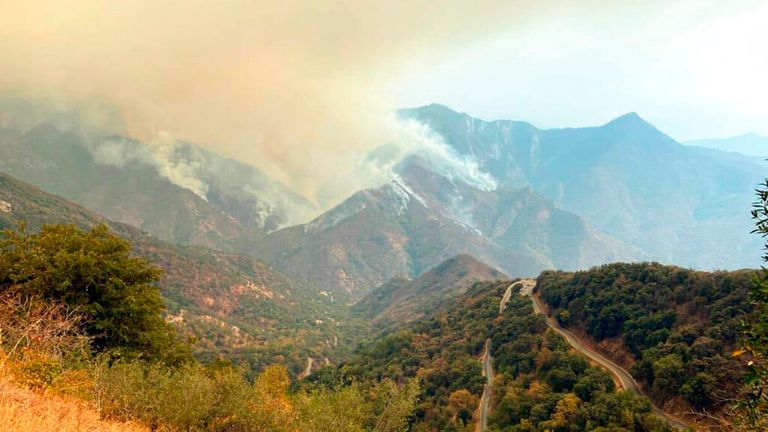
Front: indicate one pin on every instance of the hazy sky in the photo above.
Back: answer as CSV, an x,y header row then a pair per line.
x,y
301,88
694,68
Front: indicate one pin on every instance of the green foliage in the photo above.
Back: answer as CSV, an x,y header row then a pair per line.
x,y
220,398
191,398
699,389
544,386
441,351
592,382
679,325
753,405
539,383
668,373
331,411
38,372
93,272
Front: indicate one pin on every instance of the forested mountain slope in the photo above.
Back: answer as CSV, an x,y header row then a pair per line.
x,y
540,384
401,300
235,305
675,329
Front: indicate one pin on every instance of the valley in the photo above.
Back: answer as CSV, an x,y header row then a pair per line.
x,y
236,306
384,216
428,278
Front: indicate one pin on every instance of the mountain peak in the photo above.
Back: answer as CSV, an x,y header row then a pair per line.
x,y
401,300
629,119
431,111
465,261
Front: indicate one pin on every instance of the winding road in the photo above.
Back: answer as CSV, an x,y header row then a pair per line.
x,y
485,399
505,298
620,375
308,369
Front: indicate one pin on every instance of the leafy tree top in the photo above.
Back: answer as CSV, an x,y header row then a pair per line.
x,y
94,272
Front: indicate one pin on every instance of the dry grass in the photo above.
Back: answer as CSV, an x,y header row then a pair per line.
x,y
34,339
23,410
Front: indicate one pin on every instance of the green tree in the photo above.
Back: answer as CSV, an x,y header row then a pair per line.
x,y
591,382
755,338
698,389
669,373
461,405
94,272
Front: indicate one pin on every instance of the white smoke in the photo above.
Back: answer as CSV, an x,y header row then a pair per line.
x,y
180,171
413,138
119,152
159,153
96,124
200,171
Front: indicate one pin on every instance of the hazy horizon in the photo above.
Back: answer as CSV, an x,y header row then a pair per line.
x,y
302,90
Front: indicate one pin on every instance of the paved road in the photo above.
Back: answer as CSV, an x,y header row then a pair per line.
x,y
308,369
485,399
622,378
506,297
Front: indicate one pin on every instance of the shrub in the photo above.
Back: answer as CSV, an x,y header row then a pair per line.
x,y
194,398
197,398
31,327
94,273
38,340
37,370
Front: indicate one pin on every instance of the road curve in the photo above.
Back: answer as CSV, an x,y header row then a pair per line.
x,y
485,399
308,369
620,375
506,297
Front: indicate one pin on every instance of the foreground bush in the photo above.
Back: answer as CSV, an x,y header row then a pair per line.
x,y
94,273
80,315
191,397
199,398
39,341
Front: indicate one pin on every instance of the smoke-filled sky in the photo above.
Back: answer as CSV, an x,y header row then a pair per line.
x,y
694,68
301,89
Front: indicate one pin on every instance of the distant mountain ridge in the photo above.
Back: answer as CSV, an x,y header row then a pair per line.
x,y
421,219
627,178
177,191
402,300
519,219
750,144
564,198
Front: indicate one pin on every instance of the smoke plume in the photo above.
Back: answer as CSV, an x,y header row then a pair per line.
x,y
292,87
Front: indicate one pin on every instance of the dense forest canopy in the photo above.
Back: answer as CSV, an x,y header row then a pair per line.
x,y
677,327
540,384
